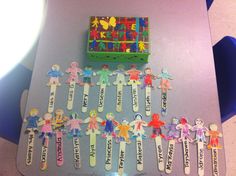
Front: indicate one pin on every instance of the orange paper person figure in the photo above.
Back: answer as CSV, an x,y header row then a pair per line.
x,y
214,137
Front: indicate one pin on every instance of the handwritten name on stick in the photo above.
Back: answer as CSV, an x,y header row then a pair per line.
x,y
29,155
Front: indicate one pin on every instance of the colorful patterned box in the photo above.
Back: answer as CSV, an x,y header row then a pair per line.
x,y
118,39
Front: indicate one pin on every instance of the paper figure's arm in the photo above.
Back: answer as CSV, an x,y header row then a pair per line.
x,y
99,119
86,120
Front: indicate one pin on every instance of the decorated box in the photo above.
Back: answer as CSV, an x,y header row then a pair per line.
x,y
118,39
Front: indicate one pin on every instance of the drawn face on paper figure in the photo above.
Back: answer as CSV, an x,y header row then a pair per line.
x,y
55,67
34,112
93,113
105,67
213,127
199,122
74,64
59,114
120,67
155,117
175,121
148,71
125,122
133,67
47,116
164,70
138,116
110,116
183,120
73,115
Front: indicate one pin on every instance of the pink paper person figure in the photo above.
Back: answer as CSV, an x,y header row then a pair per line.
x,y
185,128
74,70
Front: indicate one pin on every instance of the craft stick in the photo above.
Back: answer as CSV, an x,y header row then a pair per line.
x,y
172,136
52,97
30,148
44,154
85,97
109,133
59,148
31,128
59,127
87,82
121,158
70,99
123,138
148,100
164,86
170,156
157,124
92,151
148,77
101,100
134,81
92,131
214,146
54,75
108,161
159,150
120,82
185,139
103,82
139,134
200,140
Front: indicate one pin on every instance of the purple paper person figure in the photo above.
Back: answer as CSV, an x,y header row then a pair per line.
x,y
200,130
172,133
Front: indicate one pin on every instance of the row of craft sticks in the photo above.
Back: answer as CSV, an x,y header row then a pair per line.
x,y
178,131
134,74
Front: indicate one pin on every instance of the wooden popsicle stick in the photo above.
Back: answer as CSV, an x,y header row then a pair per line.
x,y
101,99
52,97
148,100
59,148
215,161
30,148
77,158
200,158
92,152
164,103
108,162
159,150
135,97
71,94
186,156
170,156
85,97
139,153
44,154
119,97
121,160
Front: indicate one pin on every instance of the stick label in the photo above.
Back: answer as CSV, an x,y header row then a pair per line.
x,y
135,97
85,100
163,103
186,153
170,156
201,159
148,101
59,149
44,154
51,100
160,154
121,159
109,152
101,97
29,156
215,161
92,151
71,91
139,152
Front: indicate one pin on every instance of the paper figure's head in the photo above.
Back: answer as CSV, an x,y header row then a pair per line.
x,y
59,112
175,121
138,116
34,112
183,120
155,116
55,67
105,66
120,67
148,70
47,116
213,127
93,113
199,121
125,122
110,116
164,70
74,115
133,66
88,67
74,64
